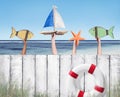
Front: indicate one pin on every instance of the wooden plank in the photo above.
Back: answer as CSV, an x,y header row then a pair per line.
x,y
76,61
89,79
4,74
16,70
29,74
53,76
41,74
4,69
103,65
90,59
65,66
50,78
115,76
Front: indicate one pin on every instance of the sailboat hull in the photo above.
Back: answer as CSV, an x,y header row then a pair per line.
x,y
56,32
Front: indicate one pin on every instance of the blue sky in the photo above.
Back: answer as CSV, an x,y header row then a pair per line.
x,y
77,15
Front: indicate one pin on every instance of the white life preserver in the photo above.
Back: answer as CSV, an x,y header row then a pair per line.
x,y
99,88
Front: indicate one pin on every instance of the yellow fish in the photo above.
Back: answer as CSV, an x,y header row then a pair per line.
x,y
22,34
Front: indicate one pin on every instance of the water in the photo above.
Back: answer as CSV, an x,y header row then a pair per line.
x,y
43,47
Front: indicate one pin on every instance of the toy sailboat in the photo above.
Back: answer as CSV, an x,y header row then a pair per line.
x,y
54,20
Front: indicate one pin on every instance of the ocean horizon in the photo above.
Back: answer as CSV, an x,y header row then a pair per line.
x,y
43,47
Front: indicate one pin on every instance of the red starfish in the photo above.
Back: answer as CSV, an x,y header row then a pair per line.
x,y
76,38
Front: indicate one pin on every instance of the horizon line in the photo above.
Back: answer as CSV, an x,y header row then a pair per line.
x,y
59,40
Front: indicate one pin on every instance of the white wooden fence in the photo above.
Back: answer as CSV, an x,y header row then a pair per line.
x,y
49,73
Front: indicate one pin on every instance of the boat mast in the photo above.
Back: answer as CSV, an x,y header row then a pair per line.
x,y
54,49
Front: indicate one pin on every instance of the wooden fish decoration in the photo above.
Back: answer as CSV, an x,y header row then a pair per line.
x,y
101,32
22,34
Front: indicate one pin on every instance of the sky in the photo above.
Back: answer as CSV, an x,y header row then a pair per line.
x,y
77,15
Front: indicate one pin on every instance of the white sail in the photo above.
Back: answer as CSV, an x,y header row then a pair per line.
x,y
58,21
54,20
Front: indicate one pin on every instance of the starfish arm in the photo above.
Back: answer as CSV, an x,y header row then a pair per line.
x,y
73,34
76,38
79,33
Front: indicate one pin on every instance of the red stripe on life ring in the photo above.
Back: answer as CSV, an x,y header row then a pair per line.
x,y
99,89
91,69
81,94
73,74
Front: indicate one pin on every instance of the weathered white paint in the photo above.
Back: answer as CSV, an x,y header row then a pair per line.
x,y
114,74
65,66
76,61
89,79
90,59
16,70
115,68
53,75
29,74
104,64
4,68
41,73
49,73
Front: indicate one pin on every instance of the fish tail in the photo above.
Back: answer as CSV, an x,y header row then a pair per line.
x,y
110,32
13,33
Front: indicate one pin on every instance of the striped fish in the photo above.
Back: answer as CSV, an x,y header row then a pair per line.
x,y
22,34
101,32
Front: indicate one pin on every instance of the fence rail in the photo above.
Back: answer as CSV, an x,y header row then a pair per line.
x,y
49,73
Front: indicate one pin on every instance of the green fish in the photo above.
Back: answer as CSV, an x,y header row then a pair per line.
x,y
101,32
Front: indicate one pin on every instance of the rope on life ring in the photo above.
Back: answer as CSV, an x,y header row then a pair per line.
x,y
99,88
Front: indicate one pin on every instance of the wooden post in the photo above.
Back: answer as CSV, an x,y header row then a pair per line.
x,y
76,61
103,63
99,49
5,72
41,74
53,76
29,74
89,80
65,67
114,75
74,48
54,49
24,47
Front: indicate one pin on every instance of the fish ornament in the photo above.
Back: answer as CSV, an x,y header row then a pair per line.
x,y
22,34
100,32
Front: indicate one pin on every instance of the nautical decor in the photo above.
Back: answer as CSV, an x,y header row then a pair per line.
x,y
99,88
100,32
76,38
24,35
54,20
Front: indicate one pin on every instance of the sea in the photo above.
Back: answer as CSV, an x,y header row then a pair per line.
x,y
43,47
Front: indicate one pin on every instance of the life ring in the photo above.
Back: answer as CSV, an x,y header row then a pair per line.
x,y
99,88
